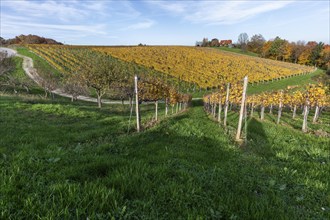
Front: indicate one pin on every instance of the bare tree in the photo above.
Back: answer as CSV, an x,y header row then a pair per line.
x,y
6,63
74,86
49,84
243,40
205,42
256,43
297,49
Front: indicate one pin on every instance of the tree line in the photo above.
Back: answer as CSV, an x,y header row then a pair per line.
x,y
311,53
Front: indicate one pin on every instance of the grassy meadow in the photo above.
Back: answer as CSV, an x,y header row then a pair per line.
x,y
71,160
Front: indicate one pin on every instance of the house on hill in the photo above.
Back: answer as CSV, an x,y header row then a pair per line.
x,y
226,43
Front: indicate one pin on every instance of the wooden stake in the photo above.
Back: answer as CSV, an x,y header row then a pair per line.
x,y
279,108
262,114
166,106
226,105
252,109
219,111
304,127
317,110
137,108
156,110
241,114
294,111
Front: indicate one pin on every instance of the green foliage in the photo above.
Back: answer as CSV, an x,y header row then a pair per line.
x,y
276,49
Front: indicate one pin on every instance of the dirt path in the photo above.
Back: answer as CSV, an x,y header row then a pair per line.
x,y
33,74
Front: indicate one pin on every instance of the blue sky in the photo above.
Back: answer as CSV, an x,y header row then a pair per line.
x,y
106,22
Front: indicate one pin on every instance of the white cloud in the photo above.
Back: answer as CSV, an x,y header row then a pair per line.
x,y
140,25
67,18
175,7
65,11
218,12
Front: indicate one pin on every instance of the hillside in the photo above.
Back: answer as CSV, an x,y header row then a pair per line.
x,y
28,39
205,68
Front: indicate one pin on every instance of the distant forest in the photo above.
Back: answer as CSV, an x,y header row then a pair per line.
x,y
311,53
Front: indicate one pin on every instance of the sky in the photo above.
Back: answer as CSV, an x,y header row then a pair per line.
x,y
116,22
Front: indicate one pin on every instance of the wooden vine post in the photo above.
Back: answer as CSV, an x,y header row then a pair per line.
x,y
294,111
241,113
137,108
166,106
280,108
226,106
220,109
262,113
156,110
317,112
252,109
304,126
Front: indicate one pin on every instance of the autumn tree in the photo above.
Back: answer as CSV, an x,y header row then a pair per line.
x,y
256,43
214,42
316,54
286,51
325,58
74,85
99,73
49,83
277,48
297,49
265,49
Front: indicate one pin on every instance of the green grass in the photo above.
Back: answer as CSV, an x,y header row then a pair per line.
x,y
62,160
237,50
300,81
39,63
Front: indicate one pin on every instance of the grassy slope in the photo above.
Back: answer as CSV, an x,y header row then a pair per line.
x,y
39,63
237,50
74,161
301,81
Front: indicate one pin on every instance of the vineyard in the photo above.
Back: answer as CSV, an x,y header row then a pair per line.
x,y
166,71
202,68
82,67
72,160
233,96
